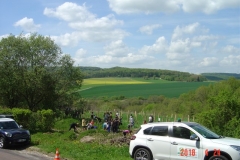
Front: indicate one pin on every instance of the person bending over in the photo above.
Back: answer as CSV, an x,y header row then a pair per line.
x,y
73,126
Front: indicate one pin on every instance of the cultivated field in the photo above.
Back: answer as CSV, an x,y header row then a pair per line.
x,y
135,87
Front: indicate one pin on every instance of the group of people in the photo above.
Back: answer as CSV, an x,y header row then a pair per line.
x,y
110,124
85,125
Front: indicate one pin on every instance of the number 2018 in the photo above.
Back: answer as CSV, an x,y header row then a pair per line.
x,y
187,152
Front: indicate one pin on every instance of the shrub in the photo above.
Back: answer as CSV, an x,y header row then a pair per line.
x,y
22,116
45,120
5,111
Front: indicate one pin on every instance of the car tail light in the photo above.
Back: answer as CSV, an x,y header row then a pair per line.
x,y
133,137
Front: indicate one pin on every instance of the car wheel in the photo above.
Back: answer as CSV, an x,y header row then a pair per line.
x,y
217,158
142,154
2,142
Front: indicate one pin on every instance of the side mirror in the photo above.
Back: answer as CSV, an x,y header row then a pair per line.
x,y
194,137
20,126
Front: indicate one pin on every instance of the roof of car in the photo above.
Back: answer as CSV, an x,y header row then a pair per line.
x,y
168,123
6,119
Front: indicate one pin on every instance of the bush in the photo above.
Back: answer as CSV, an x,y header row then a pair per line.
x,y
45,120
232,128
5,111
22,116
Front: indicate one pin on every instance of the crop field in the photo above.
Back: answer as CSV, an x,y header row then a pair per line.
x,y
131,87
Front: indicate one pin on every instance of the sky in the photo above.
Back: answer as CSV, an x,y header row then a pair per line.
x,y
195,36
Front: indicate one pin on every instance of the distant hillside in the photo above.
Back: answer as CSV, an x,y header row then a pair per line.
x,y
220,76
96,72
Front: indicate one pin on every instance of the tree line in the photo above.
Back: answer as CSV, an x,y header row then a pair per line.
x,y
96,72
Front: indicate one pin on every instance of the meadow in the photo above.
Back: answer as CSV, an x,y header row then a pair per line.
x,y
135,87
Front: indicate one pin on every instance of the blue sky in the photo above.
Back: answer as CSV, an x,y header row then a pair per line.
x,y
195,36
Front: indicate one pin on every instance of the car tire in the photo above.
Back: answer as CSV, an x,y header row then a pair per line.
x,y
218,158
2,142
142,153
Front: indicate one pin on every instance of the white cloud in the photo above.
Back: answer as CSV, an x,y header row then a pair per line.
x,y
68,39
116,49
100,36
109,61
81,53
86,25
146,6
27,24
179,49
208,61
180,31
148,29
70,12
231,49
73,39
80,18
208,6
231,62
171,6
205,38
159,47
103,23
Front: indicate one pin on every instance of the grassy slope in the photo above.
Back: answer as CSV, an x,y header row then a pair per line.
x,y
71,148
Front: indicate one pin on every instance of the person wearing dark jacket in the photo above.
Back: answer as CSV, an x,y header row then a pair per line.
x,y
73,126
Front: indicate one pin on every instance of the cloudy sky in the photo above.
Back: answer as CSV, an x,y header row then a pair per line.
x,y
195,36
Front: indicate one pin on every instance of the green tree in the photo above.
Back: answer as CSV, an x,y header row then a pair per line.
x,y
34,73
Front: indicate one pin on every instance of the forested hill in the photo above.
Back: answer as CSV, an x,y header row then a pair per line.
x,y
95,72
220,76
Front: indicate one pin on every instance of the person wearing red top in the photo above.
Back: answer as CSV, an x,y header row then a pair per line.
x,y
92,122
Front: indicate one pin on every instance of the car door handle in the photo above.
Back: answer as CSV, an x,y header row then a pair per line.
x,y
150,139
174,143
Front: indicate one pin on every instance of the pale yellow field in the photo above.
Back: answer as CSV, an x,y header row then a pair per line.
x,y
111,81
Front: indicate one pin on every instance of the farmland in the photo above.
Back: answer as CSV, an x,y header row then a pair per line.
x,y
135,87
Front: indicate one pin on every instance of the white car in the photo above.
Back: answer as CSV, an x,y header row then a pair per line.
x,y
181,141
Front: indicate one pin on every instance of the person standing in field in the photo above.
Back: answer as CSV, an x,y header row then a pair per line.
x,y
115,125
84,124
131,121
92,116
109,125
150,119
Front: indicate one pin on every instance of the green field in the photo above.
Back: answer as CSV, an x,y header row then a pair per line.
x,y
133,87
